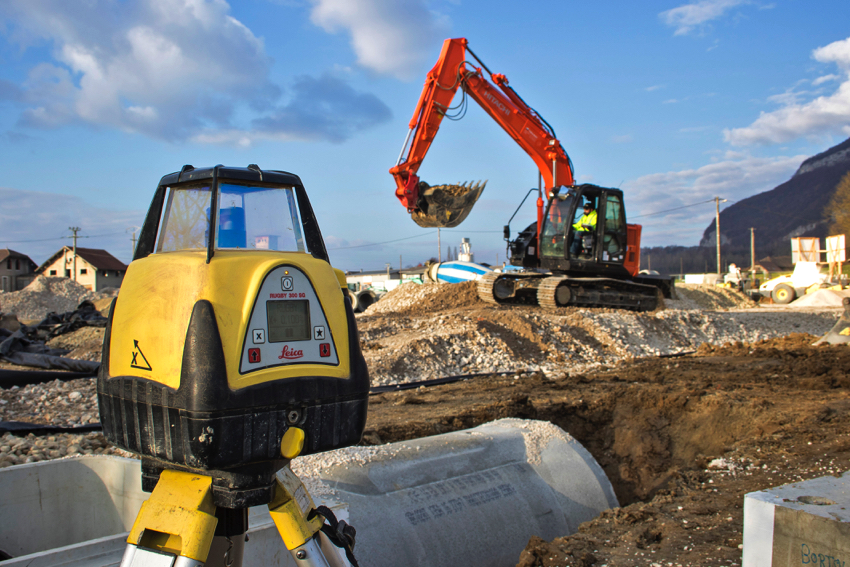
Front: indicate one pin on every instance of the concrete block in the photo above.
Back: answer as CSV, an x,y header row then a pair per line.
x,y
805,523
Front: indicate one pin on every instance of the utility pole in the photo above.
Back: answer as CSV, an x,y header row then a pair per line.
x,y
133,251
752,253
717,201
75,230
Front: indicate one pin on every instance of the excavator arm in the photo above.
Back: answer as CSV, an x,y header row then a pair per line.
x,y
448,205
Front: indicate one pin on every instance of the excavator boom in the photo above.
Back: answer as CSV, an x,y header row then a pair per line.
x,y
594,264
448,205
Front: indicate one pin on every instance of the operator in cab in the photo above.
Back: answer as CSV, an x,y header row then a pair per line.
x,y
585,225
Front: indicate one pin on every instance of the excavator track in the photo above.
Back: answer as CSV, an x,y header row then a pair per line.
x,y
552,292
485,285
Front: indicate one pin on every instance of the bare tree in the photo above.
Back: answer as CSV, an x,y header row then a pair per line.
x,y
838,210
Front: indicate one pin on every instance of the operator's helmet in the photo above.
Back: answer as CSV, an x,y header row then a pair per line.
x,y
588,205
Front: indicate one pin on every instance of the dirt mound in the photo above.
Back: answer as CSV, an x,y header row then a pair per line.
x,y
693,296
45,295
52,295
681,439
85,343
416,299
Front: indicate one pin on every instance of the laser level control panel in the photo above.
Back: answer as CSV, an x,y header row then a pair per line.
x,y
287,325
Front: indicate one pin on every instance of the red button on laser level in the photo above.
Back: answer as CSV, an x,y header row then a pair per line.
x,y
253,355
324,349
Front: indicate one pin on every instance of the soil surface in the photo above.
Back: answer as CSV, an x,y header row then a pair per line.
x,y
682,440
687,409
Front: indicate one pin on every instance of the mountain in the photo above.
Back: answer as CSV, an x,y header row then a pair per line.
x,y
794,208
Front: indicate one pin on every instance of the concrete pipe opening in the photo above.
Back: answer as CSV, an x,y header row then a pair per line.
x,y
365,298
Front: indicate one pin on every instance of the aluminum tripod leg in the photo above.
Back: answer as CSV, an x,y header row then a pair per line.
x,y
304,540
176,526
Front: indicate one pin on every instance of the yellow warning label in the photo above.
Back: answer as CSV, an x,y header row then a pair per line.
x,y
845,331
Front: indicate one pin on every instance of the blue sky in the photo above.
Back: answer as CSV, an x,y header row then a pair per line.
x,y
674,102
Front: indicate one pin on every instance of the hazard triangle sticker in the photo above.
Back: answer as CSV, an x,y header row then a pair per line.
x,y
139,361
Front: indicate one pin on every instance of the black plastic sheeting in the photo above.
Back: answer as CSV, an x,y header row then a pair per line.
x,y
26,346
20,378
21,428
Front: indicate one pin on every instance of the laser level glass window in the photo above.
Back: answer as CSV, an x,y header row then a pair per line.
x,y
185,219
258,218
288,320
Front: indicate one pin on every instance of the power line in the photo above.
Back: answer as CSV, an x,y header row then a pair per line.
x,y
59,238
38,240
386,242
671,210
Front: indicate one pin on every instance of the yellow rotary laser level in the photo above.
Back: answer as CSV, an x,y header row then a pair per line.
x,y
231,327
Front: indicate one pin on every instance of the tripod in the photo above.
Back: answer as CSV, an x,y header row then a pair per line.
x,y
179,526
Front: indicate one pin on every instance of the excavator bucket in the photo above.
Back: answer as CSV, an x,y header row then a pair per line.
x,y
840,332
445,206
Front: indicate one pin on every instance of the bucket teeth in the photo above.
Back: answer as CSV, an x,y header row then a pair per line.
x,y
446,205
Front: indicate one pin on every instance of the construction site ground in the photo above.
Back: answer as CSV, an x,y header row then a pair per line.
x,y
687,409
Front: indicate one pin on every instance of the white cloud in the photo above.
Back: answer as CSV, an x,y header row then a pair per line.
x,y
654,88
323,108
622,139
736,176
689,17
156,67
393,37
169,69
825,79
823,115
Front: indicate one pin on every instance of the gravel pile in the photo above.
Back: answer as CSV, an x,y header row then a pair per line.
x,y
56,403
45,295
420,332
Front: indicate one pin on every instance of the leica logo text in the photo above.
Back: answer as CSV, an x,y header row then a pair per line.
x,y
290,354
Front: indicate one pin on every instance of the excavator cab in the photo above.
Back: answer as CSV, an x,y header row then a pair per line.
x,y
572,237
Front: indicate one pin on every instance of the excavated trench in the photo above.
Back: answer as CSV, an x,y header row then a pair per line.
x,y
649,423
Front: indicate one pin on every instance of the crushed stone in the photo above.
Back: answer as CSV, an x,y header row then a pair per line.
x,y
48,294
405,338
821,298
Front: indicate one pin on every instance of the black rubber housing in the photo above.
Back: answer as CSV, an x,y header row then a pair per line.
x,y
232,435
203,426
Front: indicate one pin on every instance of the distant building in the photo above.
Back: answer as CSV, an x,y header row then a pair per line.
x,y
775,264
382,281
95,269
16,270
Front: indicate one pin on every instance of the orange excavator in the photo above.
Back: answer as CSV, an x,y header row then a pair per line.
x,y
580,251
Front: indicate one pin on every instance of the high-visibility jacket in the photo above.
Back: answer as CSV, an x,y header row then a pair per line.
x,y
588,219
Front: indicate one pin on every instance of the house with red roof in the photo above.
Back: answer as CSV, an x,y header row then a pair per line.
x,y
90,267
16,270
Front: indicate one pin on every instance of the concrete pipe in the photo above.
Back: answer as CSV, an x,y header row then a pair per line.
x,y
365,298
840,332
470,497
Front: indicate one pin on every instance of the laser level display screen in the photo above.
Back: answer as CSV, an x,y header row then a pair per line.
x,y
288,320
